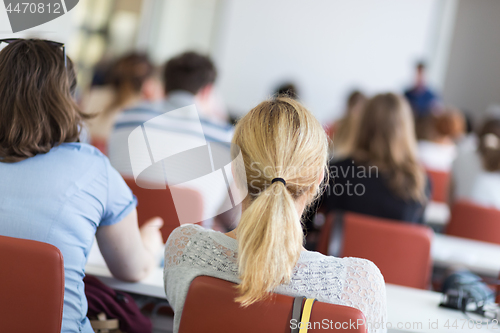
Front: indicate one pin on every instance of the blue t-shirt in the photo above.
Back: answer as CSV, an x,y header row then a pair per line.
x,y
61,198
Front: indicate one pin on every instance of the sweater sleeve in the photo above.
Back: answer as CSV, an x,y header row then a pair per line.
x,y
364,289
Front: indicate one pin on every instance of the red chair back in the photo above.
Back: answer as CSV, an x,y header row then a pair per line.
x,y
210,308
31,286
472,221
152,203
440,182
400,250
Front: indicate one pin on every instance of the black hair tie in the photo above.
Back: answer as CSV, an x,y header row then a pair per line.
x,y
278,180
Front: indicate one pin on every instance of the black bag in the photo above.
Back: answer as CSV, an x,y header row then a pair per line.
x,y
465,291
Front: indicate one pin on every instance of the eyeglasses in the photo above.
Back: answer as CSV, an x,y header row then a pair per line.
x,y
62,45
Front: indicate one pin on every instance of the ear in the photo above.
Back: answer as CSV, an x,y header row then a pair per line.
x,y
205,93
320,177
152,90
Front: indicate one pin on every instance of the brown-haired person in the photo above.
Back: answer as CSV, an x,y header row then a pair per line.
x,y
345,131
438,150
284,151
57,190
382,177
486,186
131,80
189,80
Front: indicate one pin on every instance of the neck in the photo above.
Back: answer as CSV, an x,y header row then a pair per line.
x,y
300,205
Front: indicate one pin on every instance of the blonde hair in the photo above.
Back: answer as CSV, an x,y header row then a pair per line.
x,y
279,138
387,140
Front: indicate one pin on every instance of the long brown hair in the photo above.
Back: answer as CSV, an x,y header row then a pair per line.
x,y
386,139
37,110
278,138
347,129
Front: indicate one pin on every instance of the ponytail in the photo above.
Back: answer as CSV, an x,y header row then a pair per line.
x,y
278,138
270,240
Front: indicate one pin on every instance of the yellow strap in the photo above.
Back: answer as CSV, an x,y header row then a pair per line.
x,y
306,315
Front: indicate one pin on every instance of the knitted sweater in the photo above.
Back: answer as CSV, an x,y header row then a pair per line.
x,y
192,251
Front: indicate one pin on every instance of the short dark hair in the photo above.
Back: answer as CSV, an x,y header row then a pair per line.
x,y
189,71
421,65
37,110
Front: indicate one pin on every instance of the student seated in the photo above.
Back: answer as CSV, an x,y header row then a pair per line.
x,y
439,149
189,80
486,186
57,190
382,177
130,81
285,152
344,132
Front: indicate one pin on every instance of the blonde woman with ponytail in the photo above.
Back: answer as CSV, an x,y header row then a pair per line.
x,y
284,150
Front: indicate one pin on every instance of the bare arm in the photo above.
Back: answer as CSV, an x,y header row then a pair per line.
x,y
130,253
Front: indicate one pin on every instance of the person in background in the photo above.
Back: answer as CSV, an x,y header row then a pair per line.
x,y
130,80
344,132
284,152
57,190
288,89
188,80
439,150
382,176
486,187
421,98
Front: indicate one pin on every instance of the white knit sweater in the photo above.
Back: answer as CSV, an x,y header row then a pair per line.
x,y
192,251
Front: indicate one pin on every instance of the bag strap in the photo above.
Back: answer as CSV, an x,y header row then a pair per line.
x,y
306,314
296,312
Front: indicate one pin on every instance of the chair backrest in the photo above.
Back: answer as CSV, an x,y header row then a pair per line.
x,y
152,203
469,220
210,308
400,250
31,286
440,182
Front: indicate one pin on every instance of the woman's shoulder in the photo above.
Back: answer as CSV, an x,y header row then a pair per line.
x,y
347,264
187,230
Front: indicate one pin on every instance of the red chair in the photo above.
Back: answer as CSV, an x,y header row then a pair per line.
x,y
469,220
440,182
400,250
154,203
31,286
210,308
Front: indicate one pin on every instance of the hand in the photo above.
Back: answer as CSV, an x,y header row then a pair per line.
x,y
151,236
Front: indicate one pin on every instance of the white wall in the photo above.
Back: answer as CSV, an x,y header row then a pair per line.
x,y
473,76
326,46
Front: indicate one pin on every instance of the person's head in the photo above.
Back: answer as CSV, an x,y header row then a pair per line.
x,y
355,101
131,76
420,72
37,109
190,72
489,145
449,124
279,138
287,89
386,139
347,128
